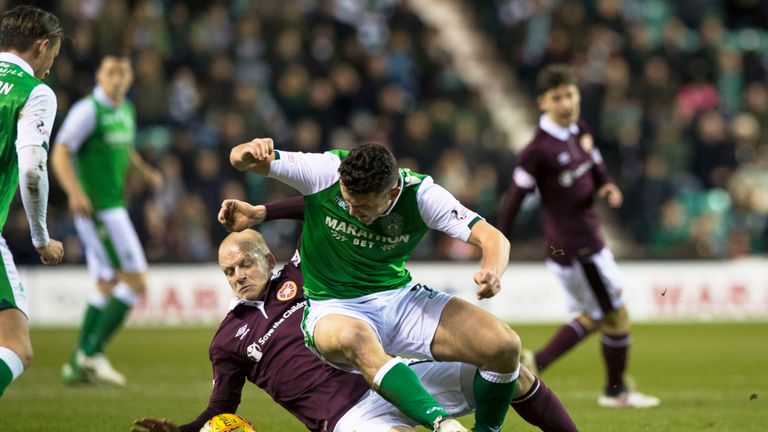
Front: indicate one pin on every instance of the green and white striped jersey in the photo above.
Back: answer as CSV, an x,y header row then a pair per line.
x,y
344,258
100,136
27,112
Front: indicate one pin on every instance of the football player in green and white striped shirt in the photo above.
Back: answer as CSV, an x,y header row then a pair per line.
x,y
362,218
30,39
94,150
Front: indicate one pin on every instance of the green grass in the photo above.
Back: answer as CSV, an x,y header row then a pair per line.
x,y
707,376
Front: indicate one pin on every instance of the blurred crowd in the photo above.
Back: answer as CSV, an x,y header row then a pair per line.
x,y
676,93
313,75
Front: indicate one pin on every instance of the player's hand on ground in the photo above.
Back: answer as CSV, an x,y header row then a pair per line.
x,y
153,425
611,193
52,253
238,215
488,283
80,204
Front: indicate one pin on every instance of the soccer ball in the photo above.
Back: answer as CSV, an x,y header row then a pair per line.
x,y
227,423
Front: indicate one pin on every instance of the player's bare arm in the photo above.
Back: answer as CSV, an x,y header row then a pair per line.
x,y
255,155
495,258
150,175
238,215
64,169
612,194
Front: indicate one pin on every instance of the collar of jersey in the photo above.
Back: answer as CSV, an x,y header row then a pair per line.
x,y
557,131
13,58
401,183
101,97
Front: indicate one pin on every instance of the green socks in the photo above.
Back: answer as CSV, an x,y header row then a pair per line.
x,y
105,326
6,376
92,315
493,394
401,387
10,368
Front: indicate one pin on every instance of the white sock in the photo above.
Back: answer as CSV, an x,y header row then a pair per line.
x,y
125,294
13,361
500,378
98,300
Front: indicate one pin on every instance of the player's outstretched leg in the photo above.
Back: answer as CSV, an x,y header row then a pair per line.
x,y
469,334
565,339
539,406
398,384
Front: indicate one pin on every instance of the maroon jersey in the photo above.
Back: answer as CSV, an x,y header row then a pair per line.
x,y
568,169
262,342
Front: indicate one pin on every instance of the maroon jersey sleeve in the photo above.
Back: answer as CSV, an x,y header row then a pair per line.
x,y
229,376
289,208
518,188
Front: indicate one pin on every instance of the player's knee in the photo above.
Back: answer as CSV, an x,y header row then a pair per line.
x,y
26,357
616,320
137,282
105,286
353,342
504,353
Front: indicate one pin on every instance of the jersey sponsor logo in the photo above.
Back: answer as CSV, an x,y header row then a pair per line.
x,y
5,88
568,177
287,291
340,229
118,138
5,69
297,307
341,203
242,331
254,352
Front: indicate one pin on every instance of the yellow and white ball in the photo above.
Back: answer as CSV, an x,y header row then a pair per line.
x,y
227,423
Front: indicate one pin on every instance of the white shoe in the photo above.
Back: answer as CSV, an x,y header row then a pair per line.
x,y
448,425
628,399
528,359
100,368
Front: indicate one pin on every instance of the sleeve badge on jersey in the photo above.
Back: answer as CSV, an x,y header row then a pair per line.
x,y
587,143
287,291
460,213
40,126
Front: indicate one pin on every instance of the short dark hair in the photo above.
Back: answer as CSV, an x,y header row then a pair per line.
x,y
553,76
369,168
117,54
23,25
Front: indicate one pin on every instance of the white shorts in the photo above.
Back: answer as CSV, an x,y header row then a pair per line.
x,y
12,293
449,382
404,319
593,285
110,243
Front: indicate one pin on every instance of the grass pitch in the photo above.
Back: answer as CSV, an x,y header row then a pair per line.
x,y
711,377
